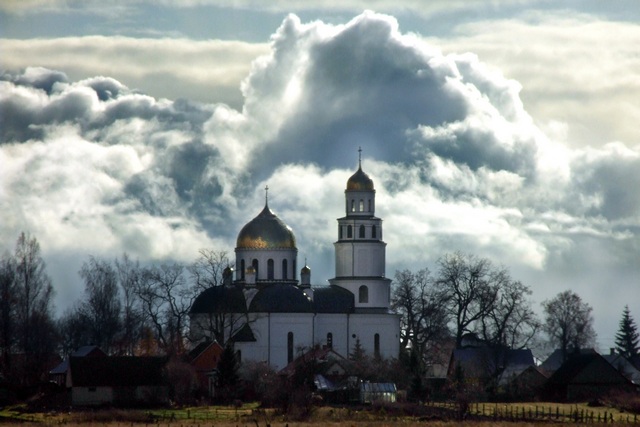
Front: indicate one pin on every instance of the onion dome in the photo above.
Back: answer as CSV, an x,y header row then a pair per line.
x,y
266,231
359,181
220,299
281,298
305,270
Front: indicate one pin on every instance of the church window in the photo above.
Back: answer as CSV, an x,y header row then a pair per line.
x,y
353,205
363,294
284,269
270,269
238,356
369,205
361,207
295,269
374,231
330,340
339,232
349,232
241,269
376,345
254,264
361,232
290,347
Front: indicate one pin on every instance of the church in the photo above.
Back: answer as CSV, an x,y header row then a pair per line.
x,y
271,316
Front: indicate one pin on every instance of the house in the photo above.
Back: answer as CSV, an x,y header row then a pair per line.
x,y
326,362
204,358
522,383
480,366
585,376
118,381
624,366
557,358
58,374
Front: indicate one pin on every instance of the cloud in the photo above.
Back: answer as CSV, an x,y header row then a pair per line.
x,y
575,68
209,70
458,163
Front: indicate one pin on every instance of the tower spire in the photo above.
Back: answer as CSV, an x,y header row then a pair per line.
x,y
266,195
359,157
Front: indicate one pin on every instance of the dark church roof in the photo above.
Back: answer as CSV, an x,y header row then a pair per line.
x,y
281,298
245,334
332,299
220,299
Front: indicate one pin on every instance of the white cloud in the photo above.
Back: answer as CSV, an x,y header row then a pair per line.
x,y
457,160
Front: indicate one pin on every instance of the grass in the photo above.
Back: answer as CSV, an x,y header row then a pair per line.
x,y
374,416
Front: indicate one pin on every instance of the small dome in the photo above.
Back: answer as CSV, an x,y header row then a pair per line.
x,y
359,181
266,231
305,269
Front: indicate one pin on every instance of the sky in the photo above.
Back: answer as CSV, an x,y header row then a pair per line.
x,y
506,129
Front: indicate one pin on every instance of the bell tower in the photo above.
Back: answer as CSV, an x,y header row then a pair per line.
x,y
360,250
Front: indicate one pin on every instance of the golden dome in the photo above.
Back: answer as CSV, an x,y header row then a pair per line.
x,y
266,231
359,181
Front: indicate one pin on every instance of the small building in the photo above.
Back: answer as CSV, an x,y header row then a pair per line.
x,y
522,383
584,377
481,365
204,358
118,381
58,374
553,362
624,366
378,392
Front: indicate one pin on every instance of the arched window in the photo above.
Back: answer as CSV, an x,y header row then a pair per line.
x,y
374,232
353,205
349,232
241,269
295,269
339,232
270,269
361,207
284,270
369,205
290,347
361,232
238,357
376,345
363,294
254,264
330,340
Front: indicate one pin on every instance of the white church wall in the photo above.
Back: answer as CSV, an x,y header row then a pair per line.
x,y
336,324
365,326
300,324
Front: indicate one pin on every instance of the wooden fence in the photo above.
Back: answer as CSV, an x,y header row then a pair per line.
x,y
535,413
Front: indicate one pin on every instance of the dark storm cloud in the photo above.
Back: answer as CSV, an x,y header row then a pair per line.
x,y
36,77
606,181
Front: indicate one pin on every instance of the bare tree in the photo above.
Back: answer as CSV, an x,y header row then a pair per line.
x,y
466,288
423,315
511,323
569,322
129,276
101,307
35,333
8,301
207,271
166,299
220,310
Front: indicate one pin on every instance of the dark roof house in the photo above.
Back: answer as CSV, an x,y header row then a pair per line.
x,y
585,376
120,381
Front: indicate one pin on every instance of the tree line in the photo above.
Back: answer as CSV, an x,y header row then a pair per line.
x,y
130,309
125,309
